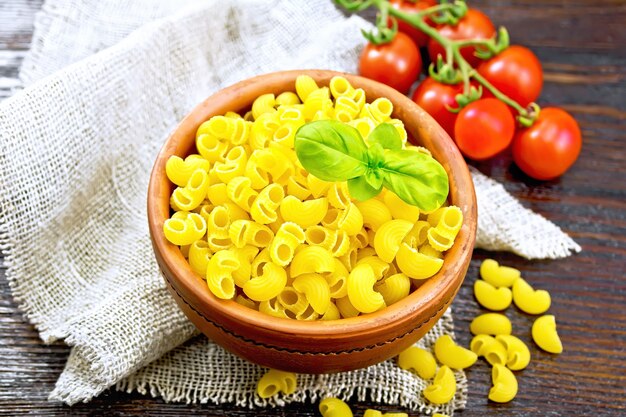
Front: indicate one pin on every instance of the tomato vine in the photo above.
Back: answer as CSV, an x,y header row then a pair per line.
x,y
453,68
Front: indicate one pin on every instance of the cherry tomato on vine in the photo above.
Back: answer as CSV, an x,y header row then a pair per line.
x,y
550,146
474,25
434,97
397,63
419,37
484,128
516,72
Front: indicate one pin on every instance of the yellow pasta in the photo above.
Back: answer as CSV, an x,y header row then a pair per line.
x,y
529,300
304,213
184,231
263,104
239,191
262,130
346,308
334,407
418,360
338,195
443,388
217,194
287,98
199,256
283,247
178,170
417,265
217,243
218,222
504,384
342,245
305,85
219,274
490,297
448,220
346,109
293,301
267,285
438,240
337,280
312,259
273,308
341,87
496,275
518,355
399,209
394,288
490,348
418,235
389,238
545,335
321,236
318,101
361,292
379,266
364,126
246,302
316,290
246,232
211,147
275,381
234,164
350,220
245,256
317,187
267,234
264,208
453,355
375,213
491,323
332,313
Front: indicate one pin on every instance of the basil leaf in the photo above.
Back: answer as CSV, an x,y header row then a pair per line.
x,y
331,150
361,190
374,177
387,136
416,178
375,156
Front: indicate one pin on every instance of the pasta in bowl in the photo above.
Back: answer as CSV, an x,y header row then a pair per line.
x,y
286,268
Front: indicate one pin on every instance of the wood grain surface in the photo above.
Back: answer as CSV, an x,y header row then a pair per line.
x,y
581,45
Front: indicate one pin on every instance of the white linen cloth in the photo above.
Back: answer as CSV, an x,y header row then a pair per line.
x,y
77,146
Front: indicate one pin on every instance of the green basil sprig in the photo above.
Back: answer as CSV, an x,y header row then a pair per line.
x,y
334,151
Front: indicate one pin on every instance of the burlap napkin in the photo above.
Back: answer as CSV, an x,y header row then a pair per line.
x,y
77,147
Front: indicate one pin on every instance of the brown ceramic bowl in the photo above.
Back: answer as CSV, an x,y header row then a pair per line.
x,y
313,346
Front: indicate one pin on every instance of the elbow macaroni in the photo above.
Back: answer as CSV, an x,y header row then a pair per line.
x,y
267,234
443,388
545,335
419,360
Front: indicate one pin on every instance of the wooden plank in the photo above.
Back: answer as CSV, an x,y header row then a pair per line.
x,y
581,47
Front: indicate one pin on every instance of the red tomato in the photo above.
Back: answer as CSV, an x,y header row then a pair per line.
x,y
433,97
419,37
474,25
550,146
397,63
516,72
484,128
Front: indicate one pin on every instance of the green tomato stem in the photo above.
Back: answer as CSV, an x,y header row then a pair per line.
x,y
452,48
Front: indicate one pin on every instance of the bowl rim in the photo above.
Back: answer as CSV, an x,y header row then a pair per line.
x,y
418,301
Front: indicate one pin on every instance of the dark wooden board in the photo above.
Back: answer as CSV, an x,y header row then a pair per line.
x,y
581,45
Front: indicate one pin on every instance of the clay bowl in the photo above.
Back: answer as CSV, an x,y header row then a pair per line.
x,y
313,346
